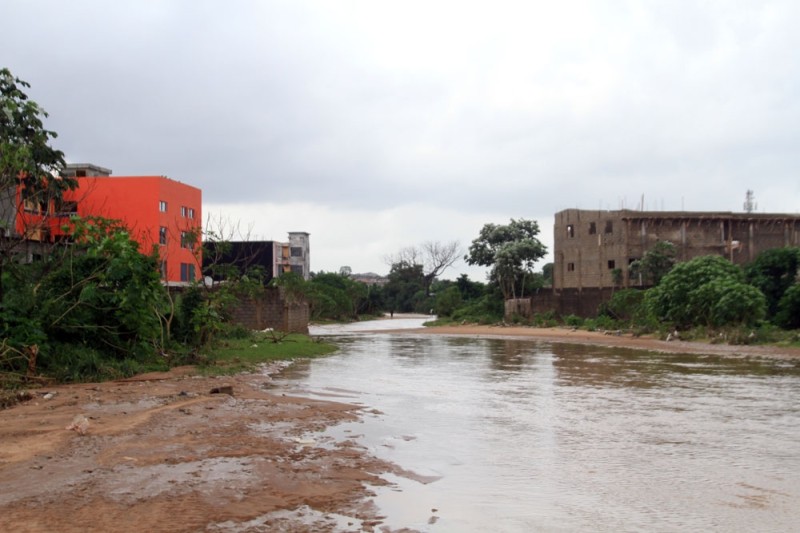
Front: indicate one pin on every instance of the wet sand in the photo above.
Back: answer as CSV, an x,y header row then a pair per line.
x,y
611,338
161,452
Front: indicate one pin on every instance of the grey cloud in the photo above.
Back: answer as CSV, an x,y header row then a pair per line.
x,y
288,101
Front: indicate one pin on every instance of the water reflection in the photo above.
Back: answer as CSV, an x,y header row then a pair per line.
x,y
510,355
531,436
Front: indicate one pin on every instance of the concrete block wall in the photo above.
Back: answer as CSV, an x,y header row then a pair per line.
x,y
589,246
272,310
583,303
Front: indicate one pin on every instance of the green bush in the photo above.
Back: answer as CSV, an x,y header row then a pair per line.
x,y
75,363
773,272
625,304
448,301
726,302
788,313
185,305
603,323
707,290
481,311
545,320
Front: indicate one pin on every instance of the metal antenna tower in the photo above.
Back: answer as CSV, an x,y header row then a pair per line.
x,y
749,202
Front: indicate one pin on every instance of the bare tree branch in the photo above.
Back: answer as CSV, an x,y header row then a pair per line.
x,y
434,256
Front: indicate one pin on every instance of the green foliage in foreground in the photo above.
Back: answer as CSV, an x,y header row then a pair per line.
x,y
75,364
236,355
84,311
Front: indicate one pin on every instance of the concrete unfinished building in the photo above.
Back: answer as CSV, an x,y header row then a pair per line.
x,y
593,250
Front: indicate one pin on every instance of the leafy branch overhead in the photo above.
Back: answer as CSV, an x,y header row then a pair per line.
x,y
25,152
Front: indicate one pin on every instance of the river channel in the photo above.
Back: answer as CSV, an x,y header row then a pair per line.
x,y
519,435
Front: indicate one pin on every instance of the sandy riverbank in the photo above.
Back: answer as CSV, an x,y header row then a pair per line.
x,y
576,336
161,452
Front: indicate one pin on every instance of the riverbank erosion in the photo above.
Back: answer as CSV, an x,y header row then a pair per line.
x,y
180,452
611,338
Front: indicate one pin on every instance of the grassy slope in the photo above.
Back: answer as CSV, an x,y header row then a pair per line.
x,y
233,355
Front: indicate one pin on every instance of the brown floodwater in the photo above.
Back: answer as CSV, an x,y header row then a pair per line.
x,y
522,435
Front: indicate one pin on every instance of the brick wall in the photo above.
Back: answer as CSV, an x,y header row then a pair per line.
x,y
564,302
272,310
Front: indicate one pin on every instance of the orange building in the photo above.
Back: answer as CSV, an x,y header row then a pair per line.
x,y
158,212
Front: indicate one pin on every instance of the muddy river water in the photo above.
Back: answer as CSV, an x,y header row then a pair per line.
x,y
521,435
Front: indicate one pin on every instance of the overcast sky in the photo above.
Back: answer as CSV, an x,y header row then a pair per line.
x,y
376,125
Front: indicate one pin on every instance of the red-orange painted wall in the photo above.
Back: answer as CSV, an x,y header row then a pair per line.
x,y
135,201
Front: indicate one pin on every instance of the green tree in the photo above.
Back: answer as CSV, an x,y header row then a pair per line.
x,y
470,290
336,296
773,272
654,264
510,250
27,162
788,314
435,257
547,274
447,300
708,290
405,290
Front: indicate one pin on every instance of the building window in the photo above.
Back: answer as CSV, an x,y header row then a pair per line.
x,y
592,228
297,269
570,267
162,235
66,208
609,226
187,240
31,205
191,212
164,269
611,264
183,211
187,272
162,206
297,251
570,231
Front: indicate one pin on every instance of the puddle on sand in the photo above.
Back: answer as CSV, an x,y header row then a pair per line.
x,y
279,520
